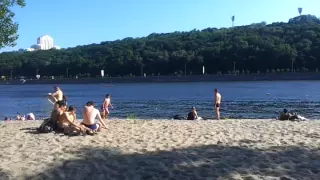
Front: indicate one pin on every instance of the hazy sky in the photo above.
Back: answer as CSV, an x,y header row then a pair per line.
x,y
80,22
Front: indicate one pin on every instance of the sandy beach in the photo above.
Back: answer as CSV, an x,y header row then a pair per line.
x,y
163,149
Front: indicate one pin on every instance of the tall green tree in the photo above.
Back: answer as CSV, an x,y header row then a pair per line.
x,y
8,28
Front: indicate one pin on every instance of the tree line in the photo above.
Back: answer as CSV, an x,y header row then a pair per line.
x,y
254,48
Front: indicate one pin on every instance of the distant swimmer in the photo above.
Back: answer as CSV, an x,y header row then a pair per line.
x,y
267,94
217,103
57,95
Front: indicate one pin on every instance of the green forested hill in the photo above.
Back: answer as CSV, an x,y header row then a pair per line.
x,y
251,48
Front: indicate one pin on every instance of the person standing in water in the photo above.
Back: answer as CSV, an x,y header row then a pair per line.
x,y
217,103
105,107
57,95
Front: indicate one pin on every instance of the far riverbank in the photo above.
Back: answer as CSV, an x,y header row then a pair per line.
x,y
166,79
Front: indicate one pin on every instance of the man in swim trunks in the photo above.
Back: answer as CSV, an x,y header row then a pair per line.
x,y
217,103
57,95
89,115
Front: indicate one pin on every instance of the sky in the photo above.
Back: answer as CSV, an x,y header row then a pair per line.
x,y
79,22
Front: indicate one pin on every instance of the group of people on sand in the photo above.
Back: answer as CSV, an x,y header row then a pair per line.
x,y
63,118
286,115
19,117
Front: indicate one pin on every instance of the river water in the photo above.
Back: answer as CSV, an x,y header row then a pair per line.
x,y
163,100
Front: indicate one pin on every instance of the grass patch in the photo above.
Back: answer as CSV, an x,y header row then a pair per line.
x,y
131,116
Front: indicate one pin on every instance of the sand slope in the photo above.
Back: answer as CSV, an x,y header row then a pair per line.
x,y
227,149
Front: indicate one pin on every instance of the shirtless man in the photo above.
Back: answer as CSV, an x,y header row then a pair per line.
x,y
68,118
105,107
217,103
89,115
57,95
58,110
67,121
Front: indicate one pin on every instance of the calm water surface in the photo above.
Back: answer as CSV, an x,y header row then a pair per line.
x,y
163,100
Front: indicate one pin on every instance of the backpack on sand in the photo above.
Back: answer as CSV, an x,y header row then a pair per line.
x,y
47,126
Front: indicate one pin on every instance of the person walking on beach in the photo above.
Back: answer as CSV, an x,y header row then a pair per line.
x,y
89,114
217,103
105,107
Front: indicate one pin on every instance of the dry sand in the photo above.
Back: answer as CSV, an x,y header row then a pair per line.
x,y
133,149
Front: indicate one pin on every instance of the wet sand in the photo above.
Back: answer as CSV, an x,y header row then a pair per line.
x,y
163,149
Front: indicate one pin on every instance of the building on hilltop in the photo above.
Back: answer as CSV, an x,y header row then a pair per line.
x,y
43,43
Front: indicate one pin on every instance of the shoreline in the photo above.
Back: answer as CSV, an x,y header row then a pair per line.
x,y
158,149
306,76
162,119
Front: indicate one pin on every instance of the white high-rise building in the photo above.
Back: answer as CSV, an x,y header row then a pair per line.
x,y
45,42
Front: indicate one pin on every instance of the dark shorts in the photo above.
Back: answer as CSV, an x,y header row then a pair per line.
x,y
217,105
92,126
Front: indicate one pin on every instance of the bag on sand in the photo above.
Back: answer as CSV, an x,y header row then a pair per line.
x,y
47,126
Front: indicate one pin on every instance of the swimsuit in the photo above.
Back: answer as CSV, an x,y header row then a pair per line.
x,y
92,126
217,105
105,110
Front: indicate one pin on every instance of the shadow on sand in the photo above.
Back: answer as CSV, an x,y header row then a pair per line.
x,y
205,162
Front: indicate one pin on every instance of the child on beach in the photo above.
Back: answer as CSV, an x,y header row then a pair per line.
x,y
105,107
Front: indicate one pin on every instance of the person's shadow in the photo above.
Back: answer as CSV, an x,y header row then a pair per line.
x,y
32,130
202,162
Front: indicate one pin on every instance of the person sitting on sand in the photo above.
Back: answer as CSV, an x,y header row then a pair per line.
x,y
7,118
67,121
57,95
105,107
59,109
19,117
89,114
193,115
30,116
285,115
